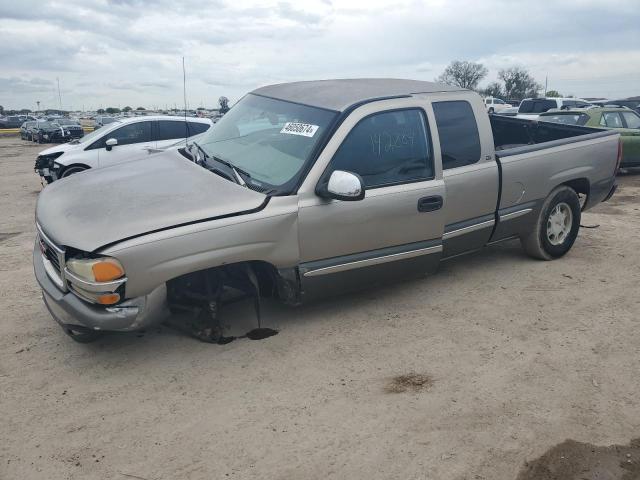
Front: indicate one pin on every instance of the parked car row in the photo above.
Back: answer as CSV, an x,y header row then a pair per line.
x,y
122,140
55,130
14,121
531,108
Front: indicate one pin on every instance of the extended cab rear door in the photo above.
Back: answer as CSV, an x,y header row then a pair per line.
x,y
397,228
464,145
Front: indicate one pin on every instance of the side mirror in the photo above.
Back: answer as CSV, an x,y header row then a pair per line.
x,y
110,143
342,186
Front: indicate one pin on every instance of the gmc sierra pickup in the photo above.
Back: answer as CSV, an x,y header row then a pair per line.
x,y
310,188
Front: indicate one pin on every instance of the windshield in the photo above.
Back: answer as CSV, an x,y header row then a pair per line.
x,y
537,106
45,125
270,139
66,121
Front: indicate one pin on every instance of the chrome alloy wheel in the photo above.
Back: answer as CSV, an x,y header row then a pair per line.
x,y
559,224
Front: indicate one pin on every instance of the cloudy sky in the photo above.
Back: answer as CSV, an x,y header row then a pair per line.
x,y
129,52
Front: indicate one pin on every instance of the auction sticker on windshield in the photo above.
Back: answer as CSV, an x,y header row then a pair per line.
x,y
295,128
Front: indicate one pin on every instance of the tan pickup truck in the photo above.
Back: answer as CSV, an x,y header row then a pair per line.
x,y
305,189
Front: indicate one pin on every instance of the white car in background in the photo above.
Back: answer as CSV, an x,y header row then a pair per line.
x,y
120,141
495,104
531,108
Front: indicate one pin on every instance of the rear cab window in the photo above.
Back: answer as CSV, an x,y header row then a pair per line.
x,y
458,133
388,148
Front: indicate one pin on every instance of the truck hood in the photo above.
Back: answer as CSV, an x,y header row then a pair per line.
x,y
95,208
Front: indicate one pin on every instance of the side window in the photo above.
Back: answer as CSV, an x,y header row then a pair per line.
x,y
133,133
458,132
171,129
387,148
498,101
127,135
612,119
632,120
196,127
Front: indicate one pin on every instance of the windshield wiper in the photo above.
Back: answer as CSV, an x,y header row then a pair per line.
x,y
236,170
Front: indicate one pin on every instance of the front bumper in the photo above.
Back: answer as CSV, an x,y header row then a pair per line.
x,y
69,310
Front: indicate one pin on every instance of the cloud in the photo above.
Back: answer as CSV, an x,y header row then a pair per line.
x,y
118,52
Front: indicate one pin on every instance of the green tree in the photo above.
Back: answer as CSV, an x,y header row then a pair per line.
x,y
127,109
494,89
140,108
1,109
463,74
553,94
112,110
100,110
518,83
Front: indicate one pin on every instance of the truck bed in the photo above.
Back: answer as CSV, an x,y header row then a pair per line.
x,y
533,157
513,135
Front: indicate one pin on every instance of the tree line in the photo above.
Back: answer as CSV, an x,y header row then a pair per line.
x,y
513,83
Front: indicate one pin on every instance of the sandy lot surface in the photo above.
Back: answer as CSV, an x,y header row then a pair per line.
x,y
503,358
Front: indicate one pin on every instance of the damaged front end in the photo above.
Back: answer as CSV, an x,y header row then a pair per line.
x,y
47,167
201,296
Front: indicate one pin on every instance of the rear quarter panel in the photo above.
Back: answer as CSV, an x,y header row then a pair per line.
x,y
531,176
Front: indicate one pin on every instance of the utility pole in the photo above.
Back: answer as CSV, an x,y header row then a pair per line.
x,y
59,96
38,103
546,82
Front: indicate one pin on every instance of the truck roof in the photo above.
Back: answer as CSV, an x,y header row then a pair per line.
x,y
340,94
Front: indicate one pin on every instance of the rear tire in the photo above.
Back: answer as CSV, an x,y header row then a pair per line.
x,y
557,226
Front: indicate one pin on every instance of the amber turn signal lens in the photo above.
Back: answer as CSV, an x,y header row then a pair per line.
x,y
108,299
106,271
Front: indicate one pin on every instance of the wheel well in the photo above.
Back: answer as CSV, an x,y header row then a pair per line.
x,y
580,185
273,282
73,165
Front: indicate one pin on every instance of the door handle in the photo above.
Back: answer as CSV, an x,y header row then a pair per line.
x,y
429,204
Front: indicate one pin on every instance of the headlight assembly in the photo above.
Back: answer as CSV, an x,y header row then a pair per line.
x,y
96,280
96,269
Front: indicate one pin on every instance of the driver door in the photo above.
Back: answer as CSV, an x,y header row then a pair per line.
x,y
396,229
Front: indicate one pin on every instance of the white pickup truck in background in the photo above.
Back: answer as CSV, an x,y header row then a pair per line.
x,y
495,104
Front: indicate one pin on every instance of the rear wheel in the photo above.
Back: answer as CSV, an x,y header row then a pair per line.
x,y
557,226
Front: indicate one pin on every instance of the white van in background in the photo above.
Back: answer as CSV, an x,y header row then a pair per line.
x,y
120,141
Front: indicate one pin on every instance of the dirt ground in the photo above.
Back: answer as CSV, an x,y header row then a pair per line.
x,y
480,372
